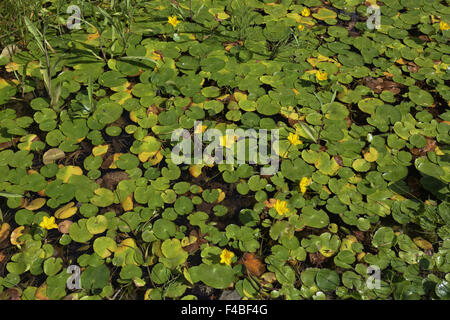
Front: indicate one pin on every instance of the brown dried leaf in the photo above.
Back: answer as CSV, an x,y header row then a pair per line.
x,y
107,162
196,245
412,67
41,292
338,160
379,85
316,258
270,203
10,294
254,264
112,179
419,152
359,235
4,231
153,109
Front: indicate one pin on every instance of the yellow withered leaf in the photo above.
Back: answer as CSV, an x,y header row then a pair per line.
x,y
157,158
116,157
422,243
195,170
41,292
133,116
35,204
438,151
240,96
127,243
326,252
371,155
122,88
100,150
66,211
15,235
128,204
4,83
27,141
93,36
66,172
4,231
186,241
12,66
145,155
221,196
347,242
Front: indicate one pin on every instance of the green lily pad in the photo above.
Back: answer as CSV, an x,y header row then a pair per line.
x,y
216,275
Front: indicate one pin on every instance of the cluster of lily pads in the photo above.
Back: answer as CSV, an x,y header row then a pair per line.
x,y
86,176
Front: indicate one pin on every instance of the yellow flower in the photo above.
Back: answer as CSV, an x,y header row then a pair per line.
x,y
226,256
200,129
227,141
444,25
281,207
301,27
48,223
173,20
294,139
321,75
306,12
304,183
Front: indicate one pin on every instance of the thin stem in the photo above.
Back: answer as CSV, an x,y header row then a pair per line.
x,y
47,59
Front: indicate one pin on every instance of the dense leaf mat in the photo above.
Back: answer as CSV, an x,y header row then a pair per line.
x,y
87,180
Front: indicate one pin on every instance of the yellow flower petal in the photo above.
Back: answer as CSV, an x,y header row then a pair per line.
x,y
304,183
173,20
444,26
294,139
226,256
306,12
281,207
321,75
48,223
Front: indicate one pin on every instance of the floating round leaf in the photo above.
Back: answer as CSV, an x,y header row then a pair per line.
x,y
97,224
103,197
104,246
217,276
327,280
383,237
